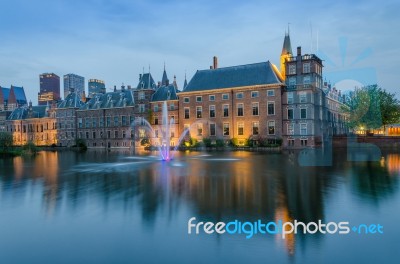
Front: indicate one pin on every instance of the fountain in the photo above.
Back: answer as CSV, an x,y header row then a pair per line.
x,y
164,148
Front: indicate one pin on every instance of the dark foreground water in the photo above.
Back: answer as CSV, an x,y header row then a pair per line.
x,y
112,207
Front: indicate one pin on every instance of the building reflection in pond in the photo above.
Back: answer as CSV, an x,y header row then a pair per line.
x,y
222,186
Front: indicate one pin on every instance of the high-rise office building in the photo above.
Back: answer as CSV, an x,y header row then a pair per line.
x,y
49,88
96,87
73,83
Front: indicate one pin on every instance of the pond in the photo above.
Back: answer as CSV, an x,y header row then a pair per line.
x,y
117,207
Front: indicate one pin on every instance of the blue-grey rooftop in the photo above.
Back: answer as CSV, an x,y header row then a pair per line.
x,y
236,76
72,100
6,93
25,112
165,93
146,81
121,98
19,94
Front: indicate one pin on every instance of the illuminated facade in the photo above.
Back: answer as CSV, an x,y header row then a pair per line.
x,y
36,124
242,102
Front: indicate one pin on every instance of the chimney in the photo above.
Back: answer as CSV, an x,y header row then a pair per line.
x,y
298,51
140,76
215,62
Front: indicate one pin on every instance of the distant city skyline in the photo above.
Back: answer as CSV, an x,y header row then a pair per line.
x,y
116,41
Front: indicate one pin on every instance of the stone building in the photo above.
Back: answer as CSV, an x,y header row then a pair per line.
x,y
233,102
303,102
36,124
67,119
336,118
11,98
115,119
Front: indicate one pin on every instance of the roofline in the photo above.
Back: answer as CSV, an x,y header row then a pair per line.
x,y
237,87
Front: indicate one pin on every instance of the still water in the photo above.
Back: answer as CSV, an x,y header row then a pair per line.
x,y
113,207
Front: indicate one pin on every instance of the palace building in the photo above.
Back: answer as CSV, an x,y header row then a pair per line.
x,y
233,102
35,124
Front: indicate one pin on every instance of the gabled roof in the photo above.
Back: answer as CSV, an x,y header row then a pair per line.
x,y
17,95
25,112
236,76
121,98
165,93
73,100
146,82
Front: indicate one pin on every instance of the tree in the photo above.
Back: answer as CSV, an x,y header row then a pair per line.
x,y
6,141
372,107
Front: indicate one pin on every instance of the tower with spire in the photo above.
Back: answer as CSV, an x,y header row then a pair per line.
x,y
286,53
164,80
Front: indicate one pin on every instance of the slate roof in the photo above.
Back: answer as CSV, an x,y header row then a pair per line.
x,y
73,100
121,98
27,112
18,94
146,81
236,76
165,93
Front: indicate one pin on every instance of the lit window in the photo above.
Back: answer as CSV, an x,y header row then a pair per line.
x,y
240,129
226,129
255,128
271,127
199,111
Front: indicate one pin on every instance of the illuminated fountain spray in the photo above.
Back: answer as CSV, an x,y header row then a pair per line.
x,y
164,147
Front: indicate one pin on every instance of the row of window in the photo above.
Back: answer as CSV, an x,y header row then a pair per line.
x,y
239,95
108,122
29,128
240,128
225,110
291,128
303,113
171,107
302,98
101,134
306,68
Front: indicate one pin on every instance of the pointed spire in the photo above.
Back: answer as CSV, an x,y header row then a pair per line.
x,y
164,79
287,47
185,83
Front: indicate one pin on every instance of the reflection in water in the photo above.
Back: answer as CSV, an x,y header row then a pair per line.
x,y
218,186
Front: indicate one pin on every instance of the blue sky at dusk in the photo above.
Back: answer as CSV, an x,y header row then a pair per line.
x,y
114,40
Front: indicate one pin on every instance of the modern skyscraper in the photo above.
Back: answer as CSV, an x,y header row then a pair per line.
x,y
95,87
49,88
73,83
